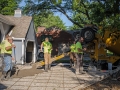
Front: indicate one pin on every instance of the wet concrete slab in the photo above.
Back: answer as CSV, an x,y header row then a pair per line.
x,y
59,78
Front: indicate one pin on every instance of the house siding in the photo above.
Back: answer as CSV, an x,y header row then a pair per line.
x,y
31,32
18,51
31,36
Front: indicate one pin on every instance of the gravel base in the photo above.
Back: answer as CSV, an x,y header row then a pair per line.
x,y
106,84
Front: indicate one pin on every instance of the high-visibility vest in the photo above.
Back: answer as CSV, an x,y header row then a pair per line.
x,y
78,45
7,44
3,46
72,47
47,47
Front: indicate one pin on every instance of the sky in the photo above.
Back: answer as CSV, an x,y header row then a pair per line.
x,y
62,16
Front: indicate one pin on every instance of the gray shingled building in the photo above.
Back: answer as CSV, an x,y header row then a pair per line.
x,y
5,26
21,28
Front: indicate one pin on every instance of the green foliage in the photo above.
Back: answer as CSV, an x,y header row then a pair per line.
x,y
48,19
106,14
56,1
99,12
43,17
74,27
112,22
7,7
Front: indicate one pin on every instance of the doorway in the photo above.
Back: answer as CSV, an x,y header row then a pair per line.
x,y
29,51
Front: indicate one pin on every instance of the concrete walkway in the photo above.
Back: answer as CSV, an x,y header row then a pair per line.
x,y
59,78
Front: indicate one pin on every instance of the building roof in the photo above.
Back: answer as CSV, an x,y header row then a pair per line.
x,y
21,25
5,20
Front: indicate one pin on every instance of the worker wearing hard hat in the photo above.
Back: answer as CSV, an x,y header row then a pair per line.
x,y
79,56
47,53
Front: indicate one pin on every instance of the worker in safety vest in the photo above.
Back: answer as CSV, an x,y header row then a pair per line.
x,y
47,53
2,46
79,56
8,58
72,54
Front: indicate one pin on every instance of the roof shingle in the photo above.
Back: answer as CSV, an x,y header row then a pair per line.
x,y
21,25
5,20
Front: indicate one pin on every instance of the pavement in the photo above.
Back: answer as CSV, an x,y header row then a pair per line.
x,y
61,77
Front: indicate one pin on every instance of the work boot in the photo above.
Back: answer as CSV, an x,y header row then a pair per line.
x,y
8,75
82,72
46,68
49,67
3,76
70,63
75,64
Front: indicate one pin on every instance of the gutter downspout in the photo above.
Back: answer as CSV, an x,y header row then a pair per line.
x,y
23,52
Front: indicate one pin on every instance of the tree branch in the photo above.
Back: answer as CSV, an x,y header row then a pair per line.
x,y
62,11
86,11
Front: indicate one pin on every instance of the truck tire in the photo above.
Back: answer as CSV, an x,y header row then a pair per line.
x,y
88,34
41,55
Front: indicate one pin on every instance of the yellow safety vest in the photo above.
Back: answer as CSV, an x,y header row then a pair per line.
x,y
78,45
3,46
7,44
72,47
47,47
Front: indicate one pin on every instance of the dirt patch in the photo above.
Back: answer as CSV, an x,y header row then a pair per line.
x,y
28,72
106,84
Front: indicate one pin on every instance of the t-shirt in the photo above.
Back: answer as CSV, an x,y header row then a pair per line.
x,y
72,47
47,47
78,45
2,46
6,45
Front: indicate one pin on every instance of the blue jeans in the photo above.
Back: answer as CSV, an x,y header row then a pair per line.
x,y
7,63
